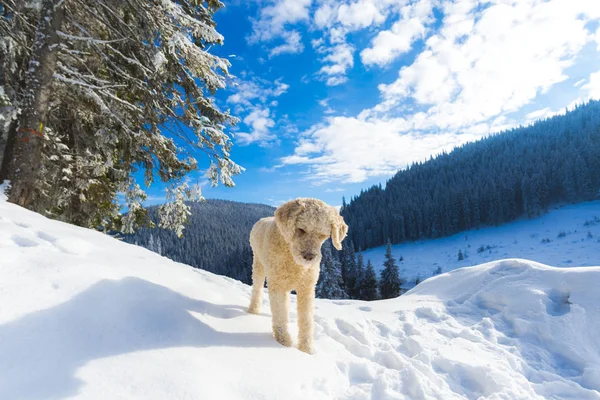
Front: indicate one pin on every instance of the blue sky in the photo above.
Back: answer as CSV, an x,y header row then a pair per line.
x,y
335,96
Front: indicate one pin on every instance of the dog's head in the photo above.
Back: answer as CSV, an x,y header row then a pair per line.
x,y
305,224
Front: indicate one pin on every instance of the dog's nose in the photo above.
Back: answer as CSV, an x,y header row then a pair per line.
x,y
308,256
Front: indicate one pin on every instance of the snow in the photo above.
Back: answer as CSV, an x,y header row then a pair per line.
x,y
524,238
89,317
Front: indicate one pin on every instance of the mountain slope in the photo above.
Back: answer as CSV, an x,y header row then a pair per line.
x,y
86,316
567,236
521,172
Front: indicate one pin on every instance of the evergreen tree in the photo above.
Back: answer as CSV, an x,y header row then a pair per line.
x,y
349,270
151,243
330,284
369,284
390,283
460,255
355,292
110,88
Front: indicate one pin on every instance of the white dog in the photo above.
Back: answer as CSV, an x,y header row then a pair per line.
x,y
287,250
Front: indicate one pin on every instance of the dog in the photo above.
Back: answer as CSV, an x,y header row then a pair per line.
x,y
287,251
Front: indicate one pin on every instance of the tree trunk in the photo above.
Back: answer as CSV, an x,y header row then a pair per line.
x,y
26,160
8,150
13,83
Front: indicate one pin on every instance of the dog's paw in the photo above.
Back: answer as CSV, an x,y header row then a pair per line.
x,y
254,310
306,347
283,337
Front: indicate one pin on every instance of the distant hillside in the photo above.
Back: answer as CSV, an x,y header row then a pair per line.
x,y
489,182
215,239
565,237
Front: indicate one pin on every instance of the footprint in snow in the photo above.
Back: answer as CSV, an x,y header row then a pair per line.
x,y
23,241
47,237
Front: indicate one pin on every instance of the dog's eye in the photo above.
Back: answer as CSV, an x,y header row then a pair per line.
x,y
301,231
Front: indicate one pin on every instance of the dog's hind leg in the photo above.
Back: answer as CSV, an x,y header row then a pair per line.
x,y
258,282
280,300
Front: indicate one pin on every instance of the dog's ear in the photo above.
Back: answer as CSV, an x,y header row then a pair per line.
x,y
285,217
339,229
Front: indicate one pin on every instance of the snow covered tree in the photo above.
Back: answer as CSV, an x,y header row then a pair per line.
x,y
130,91
355,291
349,272
369,284
330,284
27,152
390,283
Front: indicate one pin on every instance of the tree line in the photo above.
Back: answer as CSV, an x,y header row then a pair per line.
x,y
495,180
345,276
216,238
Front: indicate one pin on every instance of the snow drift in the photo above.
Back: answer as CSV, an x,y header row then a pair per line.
x,y
85,316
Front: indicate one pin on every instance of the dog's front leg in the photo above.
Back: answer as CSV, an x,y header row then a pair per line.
x,y
279,300
305,299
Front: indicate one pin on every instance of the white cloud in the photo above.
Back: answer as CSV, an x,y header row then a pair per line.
x,y
513,53
390,44
260,122
483,65
336,20
253,98
327,108
273,23
293,44
336,80
339,60
359,15
592,88
539,114
247,92
324,16
352,150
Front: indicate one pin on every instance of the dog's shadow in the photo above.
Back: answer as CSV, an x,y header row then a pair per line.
x,y
41,352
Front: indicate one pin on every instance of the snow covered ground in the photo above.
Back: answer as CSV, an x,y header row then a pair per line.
x,y
85,316
537,239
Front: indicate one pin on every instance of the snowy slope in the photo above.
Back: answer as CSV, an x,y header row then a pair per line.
x,y
85,316
525,238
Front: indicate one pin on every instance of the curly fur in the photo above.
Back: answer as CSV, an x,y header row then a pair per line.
x,y
287,251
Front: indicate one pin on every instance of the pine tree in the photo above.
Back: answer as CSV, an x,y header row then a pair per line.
x,y
390,283
460,255
349,270
330,284
355,292
117,104
369,284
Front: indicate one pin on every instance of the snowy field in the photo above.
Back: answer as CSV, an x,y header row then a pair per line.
x,y
85,316
539,239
